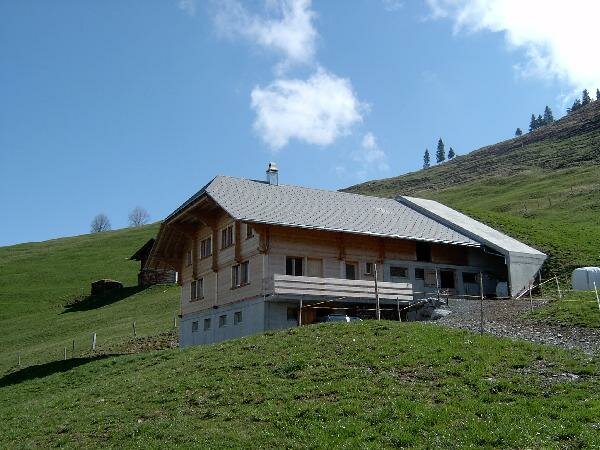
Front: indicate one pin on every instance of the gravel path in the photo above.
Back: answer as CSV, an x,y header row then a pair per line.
x,y
506,318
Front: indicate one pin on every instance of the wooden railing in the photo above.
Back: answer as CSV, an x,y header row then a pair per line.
x,y
338,287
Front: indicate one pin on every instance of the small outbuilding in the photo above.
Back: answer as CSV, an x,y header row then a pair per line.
x,y
583,278
147,276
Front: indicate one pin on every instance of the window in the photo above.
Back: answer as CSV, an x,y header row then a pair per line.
x,y
194,326
188,258
205,247
350,271
420,274
424,251
193,291
293,266
240,274
206,324
447,279
397,273
470,277
292,313
249,231
369,268
197,289
222,320
227,237
237,317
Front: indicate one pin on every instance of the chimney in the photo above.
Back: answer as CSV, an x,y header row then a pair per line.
x,y
273,174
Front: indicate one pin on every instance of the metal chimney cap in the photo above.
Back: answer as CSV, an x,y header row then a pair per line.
x,y
272,167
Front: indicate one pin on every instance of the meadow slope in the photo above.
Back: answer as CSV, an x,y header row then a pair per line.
x,y
40,278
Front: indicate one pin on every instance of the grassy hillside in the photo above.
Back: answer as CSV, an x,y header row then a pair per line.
x,y
369,384
543,188
38,279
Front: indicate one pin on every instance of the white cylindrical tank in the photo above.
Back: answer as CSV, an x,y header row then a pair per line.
x,y
583,278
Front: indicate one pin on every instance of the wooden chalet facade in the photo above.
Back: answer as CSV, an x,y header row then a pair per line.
x,y
250,253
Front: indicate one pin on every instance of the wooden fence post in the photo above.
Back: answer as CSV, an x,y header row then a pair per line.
x,y
19,359
134,333
94,342
65,353
378,311
480,303
597,298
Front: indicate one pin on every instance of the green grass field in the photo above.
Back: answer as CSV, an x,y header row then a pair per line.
x,y
365,385
574,309
38,279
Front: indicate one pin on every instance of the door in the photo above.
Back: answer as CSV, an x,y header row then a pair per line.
x,y
314,267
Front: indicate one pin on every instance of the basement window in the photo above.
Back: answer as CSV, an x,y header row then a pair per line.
x,y
227,237
419,274
293,266
206,324
194,326
223,321
237,317
205,247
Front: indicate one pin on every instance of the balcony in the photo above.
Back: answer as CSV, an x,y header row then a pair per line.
x,y
337,288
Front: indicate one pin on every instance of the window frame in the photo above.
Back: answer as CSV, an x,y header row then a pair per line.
x,y
238,317
294,260
195,326
240,274
194,284
406,275
204,243
207,323
222,320
189,258
227,237
249,231
367,271
354,265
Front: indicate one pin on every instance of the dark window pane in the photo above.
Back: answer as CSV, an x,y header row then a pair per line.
x,y
420,274
398,272
350,272
447,279
289,266
423,251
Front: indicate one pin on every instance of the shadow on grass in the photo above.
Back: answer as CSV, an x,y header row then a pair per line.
x,y
85,303
46,369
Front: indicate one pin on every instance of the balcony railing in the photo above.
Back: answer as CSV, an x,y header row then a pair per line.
x,y
337,287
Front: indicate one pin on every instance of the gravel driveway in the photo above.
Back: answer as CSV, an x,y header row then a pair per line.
x,y
506,318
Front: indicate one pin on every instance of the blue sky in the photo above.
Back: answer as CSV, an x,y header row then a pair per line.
x,y
105,106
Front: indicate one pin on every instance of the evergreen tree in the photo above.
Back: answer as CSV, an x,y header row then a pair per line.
x,y
597,94
440,155
575,107
426,159
451,153
519,132
532,123
548,117
539,121
585,97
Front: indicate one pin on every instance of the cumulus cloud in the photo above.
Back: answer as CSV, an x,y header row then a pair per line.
x,y
288,28
317,110
560,38
370,157
392,5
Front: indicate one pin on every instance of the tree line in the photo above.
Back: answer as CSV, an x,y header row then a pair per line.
x,y
440,154
137,217
548,118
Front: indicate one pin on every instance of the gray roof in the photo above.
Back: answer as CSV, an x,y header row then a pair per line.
x,y
260,202
468,226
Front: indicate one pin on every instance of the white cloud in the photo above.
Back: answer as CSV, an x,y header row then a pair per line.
x,y
370,158
187,6
289,30
560,38
317,110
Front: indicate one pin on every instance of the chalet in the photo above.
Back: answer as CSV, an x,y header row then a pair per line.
x,y
256,255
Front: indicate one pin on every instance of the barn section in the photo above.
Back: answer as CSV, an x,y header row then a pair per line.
x,y
522,261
